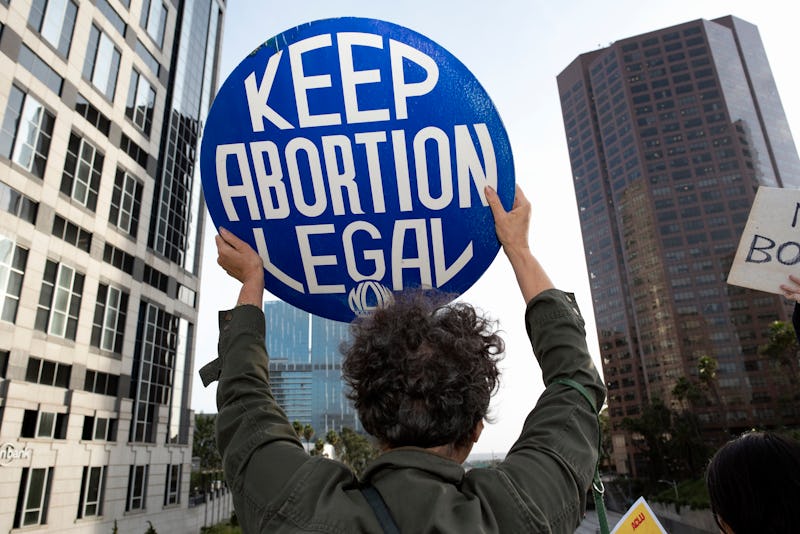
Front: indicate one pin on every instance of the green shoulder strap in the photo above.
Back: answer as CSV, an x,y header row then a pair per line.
x,y
597,485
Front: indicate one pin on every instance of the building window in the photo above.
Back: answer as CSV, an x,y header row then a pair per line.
x,y
48,373
126,201
102,62
54,20
99,429
72,233
33,497
15,203
4,357
141,101
102,383
40,69
110,313
13,259
148,58
48,425
137,488
153,364
59,300
137,153
172,490
92,486
154,20
27,129
112,16
82,168
93,115
118,258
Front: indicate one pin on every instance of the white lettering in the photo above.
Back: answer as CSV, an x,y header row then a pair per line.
x,y
257,97
344,179
444,273
445,172
403,91
270,182
468,164
401,169
227,191
317,181
303,83
310,262
400,262
370,141
351,77
261,248
373,255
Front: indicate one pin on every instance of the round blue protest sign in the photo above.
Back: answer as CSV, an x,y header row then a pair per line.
x,y
352,154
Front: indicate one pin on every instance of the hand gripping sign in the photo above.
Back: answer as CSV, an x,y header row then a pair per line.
x,y
352,154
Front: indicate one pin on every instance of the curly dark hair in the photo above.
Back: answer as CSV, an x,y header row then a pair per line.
x,y
421,372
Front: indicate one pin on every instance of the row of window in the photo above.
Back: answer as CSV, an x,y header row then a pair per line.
x,y
55,22
57,374
36,483
60,299
25,139
39,424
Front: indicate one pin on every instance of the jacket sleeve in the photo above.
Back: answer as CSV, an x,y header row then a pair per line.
x,y
259,448
552,463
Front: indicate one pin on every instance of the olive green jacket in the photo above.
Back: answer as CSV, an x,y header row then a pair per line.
x,y
541,485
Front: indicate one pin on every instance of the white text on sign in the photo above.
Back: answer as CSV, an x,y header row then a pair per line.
x,y
258,93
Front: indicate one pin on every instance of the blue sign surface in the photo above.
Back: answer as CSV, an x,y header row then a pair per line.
x,y
352,154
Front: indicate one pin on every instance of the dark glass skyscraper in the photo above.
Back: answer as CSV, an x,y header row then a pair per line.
x,y
305,368
670,133
102,107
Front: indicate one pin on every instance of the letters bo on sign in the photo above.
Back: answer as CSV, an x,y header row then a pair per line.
x,y
769,249
352,154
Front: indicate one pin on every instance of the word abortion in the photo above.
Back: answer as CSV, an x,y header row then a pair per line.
x,y
336,179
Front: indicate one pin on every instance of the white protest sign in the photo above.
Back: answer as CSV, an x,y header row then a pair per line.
x,y
769,249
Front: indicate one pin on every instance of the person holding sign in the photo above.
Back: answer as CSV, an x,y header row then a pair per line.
x,y
421,374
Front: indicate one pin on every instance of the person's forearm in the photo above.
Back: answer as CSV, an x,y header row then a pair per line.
x,y
531,276
252,292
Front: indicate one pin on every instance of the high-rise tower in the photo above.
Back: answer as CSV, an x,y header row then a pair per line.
x,y
305,368
670,134
102,108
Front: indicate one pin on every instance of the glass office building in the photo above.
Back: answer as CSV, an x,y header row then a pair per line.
x,y
305,368
670,134
102,108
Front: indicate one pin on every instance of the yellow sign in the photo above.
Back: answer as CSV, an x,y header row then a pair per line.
x,y
640,519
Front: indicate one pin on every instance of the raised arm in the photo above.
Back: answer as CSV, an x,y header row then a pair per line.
x,y
261,452
551,465
512,230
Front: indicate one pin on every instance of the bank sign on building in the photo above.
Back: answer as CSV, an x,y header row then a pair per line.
x,y
353,154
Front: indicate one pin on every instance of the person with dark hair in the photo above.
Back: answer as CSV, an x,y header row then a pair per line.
x,y
754,484
421,373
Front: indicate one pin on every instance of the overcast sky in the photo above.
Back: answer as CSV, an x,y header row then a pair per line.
x,y
515,49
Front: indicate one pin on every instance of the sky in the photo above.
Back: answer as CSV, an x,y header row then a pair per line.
x,y
515,48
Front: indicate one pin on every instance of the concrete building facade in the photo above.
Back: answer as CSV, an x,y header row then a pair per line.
x,y
670,134
102,106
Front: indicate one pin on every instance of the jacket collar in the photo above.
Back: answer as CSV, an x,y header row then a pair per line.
x,y
415,458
